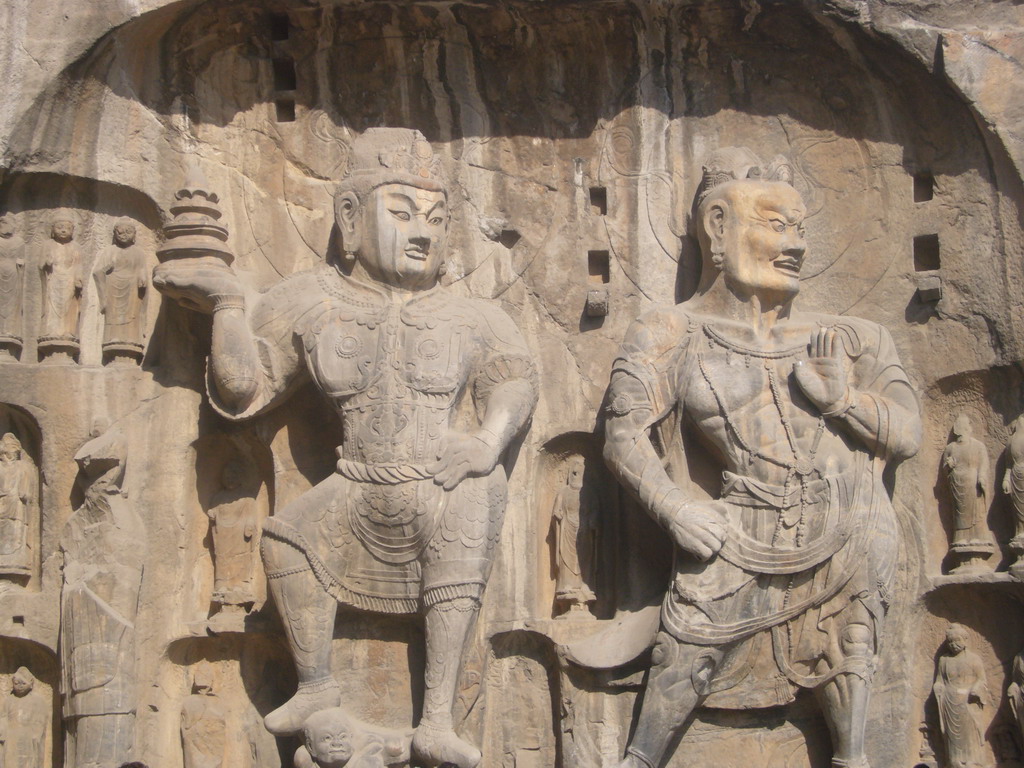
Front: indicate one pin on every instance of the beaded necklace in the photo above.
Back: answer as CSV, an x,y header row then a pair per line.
x,y
800,466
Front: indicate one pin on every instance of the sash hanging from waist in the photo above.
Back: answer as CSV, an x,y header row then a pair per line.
x,y
746,552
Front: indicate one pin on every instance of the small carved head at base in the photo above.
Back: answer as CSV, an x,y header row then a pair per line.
x,y
330,738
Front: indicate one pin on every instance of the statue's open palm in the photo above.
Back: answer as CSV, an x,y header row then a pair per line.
x,y
196,283
823,377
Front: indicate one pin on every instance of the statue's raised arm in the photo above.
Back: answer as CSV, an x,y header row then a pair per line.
x,y
431,388
255,356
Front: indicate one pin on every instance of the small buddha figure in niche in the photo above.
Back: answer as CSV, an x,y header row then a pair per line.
x,y
573,532
965,462
961,693
121,278
1013,486
28,714
235,530
12,289
61,269
783,581
204,722
431,389
1015,694
17,491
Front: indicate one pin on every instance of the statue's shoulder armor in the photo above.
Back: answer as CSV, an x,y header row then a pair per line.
x,y
660,333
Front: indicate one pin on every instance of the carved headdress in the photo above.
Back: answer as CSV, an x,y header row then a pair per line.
x,y
739,163
392,156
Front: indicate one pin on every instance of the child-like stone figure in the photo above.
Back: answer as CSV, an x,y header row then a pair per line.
x,y
335,739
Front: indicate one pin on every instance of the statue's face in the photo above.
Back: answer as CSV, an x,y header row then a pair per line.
x,y
6,226
764,239
956,642
63,230
124,234
331,745
20,685
405,235
10,448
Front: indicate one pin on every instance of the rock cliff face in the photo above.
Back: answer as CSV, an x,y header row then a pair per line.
x,y
154,429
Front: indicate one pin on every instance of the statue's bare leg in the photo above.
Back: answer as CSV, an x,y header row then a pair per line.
x,y
307,612
668,704
844,699
447,626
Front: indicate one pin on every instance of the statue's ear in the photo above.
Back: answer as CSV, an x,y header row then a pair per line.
x,y
346,215
714,224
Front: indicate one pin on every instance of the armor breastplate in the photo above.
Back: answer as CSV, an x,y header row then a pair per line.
x,y
392,375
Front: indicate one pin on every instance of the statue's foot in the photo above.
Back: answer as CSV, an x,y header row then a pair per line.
x,y
860,762
311,697
437,746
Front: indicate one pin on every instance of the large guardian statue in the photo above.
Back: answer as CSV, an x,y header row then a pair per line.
x,y
784,572
431,388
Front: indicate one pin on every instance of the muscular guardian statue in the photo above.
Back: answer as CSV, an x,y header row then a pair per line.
x,y
431,388
783,574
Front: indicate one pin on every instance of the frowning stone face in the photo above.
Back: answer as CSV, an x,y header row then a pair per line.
x,y
762,242
405,235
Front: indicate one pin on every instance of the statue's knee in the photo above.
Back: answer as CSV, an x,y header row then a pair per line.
x,y
857,641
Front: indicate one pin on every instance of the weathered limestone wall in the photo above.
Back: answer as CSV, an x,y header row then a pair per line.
x,y
573,136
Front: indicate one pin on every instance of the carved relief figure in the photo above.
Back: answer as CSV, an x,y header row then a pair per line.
x,y
1013,486
783,580
961,693
104,548
235,529
409,521
334,739
17,492
965,462
574,539
62,291
121,282
203,722
12,288
26,722
1015,693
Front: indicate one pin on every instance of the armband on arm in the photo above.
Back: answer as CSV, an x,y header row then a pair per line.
x,y
506,387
